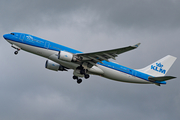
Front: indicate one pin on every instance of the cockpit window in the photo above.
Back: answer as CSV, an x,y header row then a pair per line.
x,y
12,33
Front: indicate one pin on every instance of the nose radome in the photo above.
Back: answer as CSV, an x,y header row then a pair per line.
x,y
5,36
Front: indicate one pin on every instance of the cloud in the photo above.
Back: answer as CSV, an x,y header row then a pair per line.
x,y
29,91
120,14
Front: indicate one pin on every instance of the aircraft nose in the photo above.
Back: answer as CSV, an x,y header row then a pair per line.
x,y
5,36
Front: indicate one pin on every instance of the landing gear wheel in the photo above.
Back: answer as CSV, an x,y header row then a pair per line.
x,y
86,76
79,81
16,52
75,77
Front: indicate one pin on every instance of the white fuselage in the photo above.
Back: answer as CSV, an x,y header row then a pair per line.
x,y
96,69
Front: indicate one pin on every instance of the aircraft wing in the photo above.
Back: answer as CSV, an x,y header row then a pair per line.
x,y
95,57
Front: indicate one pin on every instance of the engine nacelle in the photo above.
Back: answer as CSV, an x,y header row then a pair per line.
x,y
54,66
66,56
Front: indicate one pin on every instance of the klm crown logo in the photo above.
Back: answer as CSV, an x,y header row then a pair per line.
x,y
158,68
159,65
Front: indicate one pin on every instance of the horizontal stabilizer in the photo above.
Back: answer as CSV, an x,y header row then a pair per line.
x,y
163,78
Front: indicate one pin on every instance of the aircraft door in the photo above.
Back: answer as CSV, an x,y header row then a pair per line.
x,y
47,44
134,73
22,37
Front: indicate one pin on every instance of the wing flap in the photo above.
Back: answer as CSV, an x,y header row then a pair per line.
x,y
95,57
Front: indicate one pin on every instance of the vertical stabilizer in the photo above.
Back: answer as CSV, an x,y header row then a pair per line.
x,y
160,67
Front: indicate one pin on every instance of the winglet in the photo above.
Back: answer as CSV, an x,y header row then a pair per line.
x,y
136,45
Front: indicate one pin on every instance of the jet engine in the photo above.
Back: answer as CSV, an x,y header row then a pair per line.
x,y
67,56
54,66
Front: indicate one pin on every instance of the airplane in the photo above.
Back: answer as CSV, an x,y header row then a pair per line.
x,y
61,58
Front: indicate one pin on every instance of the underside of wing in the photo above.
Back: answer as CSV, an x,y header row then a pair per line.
x,y
95,57
163,78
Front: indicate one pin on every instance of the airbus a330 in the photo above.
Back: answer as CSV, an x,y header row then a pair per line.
x,y
61,58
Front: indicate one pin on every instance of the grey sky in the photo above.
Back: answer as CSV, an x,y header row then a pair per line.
x,y
29,91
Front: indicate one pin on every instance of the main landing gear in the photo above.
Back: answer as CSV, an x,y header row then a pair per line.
x,y
78,80
84,72
81,72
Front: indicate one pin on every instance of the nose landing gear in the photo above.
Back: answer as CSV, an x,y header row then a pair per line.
x,y
17,49
16,52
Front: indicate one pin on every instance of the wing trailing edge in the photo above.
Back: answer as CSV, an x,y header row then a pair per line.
x,y
100,56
